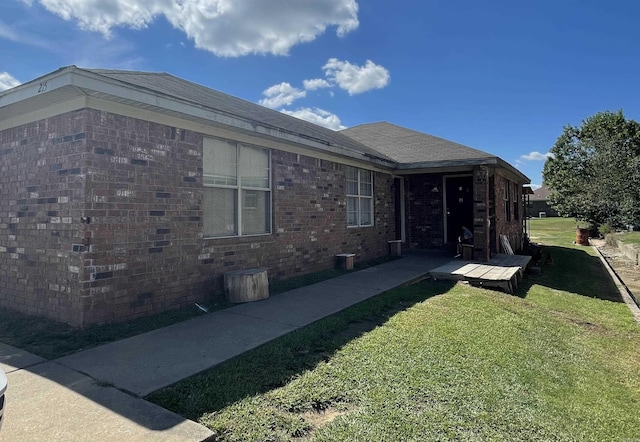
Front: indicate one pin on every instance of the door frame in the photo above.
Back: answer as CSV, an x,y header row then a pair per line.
x,y
400,207
445,221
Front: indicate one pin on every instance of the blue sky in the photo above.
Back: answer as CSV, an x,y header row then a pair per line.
x,y
501,76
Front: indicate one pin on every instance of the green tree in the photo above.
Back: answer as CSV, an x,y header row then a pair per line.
x,y
594,170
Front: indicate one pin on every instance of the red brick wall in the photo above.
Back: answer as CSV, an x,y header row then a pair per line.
x,y
42,178
138,187
424,222
309,205
513,228
481,211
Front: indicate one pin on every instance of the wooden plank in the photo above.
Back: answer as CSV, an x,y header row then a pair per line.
x,y
504,285
454,270
486,275
478,272
500,273
503,260
506,245
466,269
493,273
505,281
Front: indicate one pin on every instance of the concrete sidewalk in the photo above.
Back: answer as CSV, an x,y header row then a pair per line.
x,y
84,396
46,401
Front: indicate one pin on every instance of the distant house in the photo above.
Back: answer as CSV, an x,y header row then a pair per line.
x,y
129,193
539,203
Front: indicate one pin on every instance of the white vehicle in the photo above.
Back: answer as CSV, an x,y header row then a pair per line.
x,y
3,388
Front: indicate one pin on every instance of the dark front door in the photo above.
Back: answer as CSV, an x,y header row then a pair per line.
x,y
459,205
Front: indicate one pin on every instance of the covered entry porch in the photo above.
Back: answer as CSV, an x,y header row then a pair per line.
x,y
436,205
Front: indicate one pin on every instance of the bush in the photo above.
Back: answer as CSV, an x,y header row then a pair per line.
x,y
605,229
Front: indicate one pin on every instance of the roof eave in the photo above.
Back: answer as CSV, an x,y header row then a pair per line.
x,y
521,177
436,166
469,162
89,83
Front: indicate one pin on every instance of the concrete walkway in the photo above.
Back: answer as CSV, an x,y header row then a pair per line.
x,y
95,395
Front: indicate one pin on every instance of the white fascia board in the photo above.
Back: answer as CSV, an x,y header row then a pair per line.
x,y
42,112
47,83
89,83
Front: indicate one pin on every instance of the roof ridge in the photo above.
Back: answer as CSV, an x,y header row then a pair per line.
x,y
122,71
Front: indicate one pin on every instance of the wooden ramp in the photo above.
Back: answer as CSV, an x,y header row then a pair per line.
x,y
503,260
454,270
502,271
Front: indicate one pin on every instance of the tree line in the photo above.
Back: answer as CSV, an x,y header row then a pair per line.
x,y
593,172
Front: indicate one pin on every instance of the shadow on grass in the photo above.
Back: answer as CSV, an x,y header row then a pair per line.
x,y
276,363
573,270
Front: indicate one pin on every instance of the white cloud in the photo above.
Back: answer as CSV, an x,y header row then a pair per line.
x,y
282,94
24,36
228,28
7,81
317,116
316,83
536,156
356,79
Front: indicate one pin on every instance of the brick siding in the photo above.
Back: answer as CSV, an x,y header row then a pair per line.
x,y
512,228
42,181
101,219
424,222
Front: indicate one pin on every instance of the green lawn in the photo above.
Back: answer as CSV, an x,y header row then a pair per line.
x,y
438,361
556,231
630,237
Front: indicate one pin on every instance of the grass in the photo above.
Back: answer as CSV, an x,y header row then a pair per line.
x,y
52,339
629,237
437,361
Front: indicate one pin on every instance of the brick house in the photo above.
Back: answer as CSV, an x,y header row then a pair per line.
x,y
539,203
124,193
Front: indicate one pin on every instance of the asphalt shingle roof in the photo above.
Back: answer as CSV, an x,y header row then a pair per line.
x,y
172,86
410,146
540,194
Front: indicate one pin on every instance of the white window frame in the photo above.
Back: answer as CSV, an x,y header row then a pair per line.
x,y
360,196
238,187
